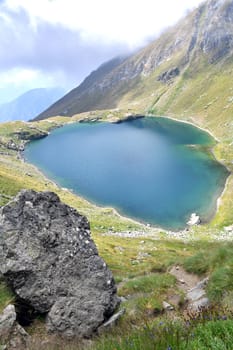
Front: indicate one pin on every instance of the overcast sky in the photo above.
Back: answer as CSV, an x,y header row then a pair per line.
x,y
58,42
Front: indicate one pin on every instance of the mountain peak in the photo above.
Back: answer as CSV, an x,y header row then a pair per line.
x,y
203,38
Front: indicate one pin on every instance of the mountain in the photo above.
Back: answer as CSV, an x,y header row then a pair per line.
x,y
187,71
74,102
30,104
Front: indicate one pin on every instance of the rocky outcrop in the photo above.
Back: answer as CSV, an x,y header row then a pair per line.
x,y
12,145
169,75
206,32
12,335
52,264
197,297
129,118
30,136
91,83
20,138
217,30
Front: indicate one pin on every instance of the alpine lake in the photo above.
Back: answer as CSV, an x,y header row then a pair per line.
x,y
152,169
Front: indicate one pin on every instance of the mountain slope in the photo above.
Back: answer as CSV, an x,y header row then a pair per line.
x,y
187,71
76,99
29,104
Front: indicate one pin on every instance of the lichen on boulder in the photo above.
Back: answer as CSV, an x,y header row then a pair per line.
x,y
52,264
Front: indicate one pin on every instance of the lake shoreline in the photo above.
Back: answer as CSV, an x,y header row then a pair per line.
x,y
219,199
134,220
191,123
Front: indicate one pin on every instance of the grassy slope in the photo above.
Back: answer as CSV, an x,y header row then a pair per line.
x,y
141,266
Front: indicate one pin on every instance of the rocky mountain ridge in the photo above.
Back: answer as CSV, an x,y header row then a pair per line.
x,y
88,85
206,34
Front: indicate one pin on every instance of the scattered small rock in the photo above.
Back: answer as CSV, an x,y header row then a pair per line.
x,y
112,321
143,255
130,234
200,304
120,249
167,306
12,335
123,299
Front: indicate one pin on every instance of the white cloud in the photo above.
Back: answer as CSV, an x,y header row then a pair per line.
x,y
127,21
16,81
30,78
58,42
16,75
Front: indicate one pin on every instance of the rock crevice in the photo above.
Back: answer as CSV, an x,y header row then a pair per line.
x,y
52,264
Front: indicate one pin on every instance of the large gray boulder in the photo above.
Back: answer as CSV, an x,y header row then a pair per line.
x,y
52,264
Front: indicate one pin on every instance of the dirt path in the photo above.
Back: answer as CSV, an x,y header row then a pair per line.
x,y
192,288
185,280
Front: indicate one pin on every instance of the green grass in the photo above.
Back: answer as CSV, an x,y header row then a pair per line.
x,y
147,284
197,264
213,331
216,334
221,283
6,296
8,189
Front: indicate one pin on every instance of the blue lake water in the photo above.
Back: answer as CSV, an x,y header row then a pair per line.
x,y
153,169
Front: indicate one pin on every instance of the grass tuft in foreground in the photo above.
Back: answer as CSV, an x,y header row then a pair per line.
x,y
211,330
6,296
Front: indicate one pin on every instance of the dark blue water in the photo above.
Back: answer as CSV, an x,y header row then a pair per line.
x,y
153,169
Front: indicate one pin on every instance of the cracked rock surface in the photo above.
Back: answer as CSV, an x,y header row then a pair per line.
x,y
52,264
